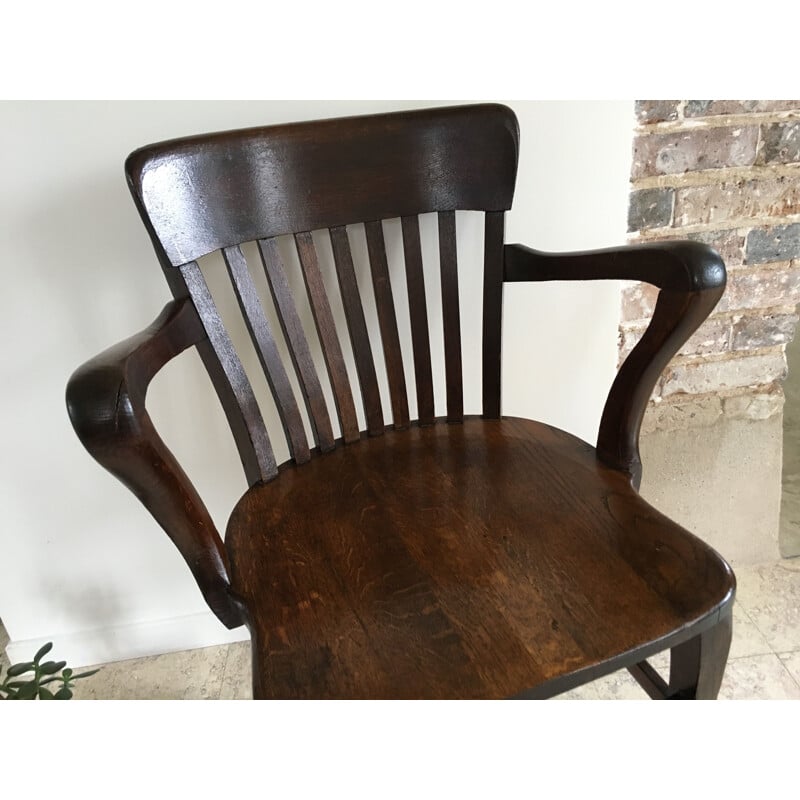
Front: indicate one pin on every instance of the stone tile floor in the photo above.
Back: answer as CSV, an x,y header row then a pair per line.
x,y
764,662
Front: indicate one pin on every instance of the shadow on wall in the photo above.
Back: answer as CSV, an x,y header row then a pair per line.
x,y
81,276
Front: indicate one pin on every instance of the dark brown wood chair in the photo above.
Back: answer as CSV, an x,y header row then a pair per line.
x,y
466,557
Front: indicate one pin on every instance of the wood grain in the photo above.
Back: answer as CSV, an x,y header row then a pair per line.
x,y
267,350
493,236
418,314
202,193
106,405
426,556
326,328
692,279
451,318
387,320
298,344
357,328
257,439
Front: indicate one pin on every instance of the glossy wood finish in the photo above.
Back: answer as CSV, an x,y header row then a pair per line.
x,y
297,343
491,558
387,319
494,231
461,561
326,329
691,277
231,382
418,314
106,403
451,318
308,176
267,349
357,327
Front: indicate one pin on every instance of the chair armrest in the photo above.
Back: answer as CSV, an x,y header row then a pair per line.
x,y
691,278
106,404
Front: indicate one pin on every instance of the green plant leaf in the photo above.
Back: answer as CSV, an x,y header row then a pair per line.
x,y
51,667
43,650
20,669
28,691
67,673
63,694
49,680
45,694
84,674
15,684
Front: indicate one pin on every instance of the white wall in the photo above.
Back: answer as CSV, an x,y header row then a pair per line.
x,y
81,562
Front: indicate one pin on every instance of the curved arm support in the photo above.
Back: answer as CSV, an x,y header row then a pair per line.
x,y
691,277
106,403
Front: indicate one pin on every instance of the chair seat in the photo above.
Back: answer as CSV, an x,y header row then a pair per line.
x,y
490,559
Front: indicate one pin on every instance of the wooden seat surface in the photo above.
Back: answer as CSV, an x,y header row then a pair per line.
x,y
473,560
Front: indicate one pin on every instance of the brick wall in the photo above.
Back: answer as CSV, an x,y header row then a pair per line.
x,y
726,173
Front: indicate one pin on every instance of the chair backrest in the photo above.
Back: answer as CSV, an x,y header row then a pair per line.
x,y
217,192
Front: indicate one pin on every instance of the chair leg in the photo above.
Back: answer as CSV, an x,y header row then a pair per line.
x,y
697,666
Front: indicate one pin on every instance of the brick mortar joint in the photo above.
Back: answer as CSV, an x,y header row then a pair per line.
x,y
643,237
730,316
684,123
698,359
771,389
724,225
714,177
646,234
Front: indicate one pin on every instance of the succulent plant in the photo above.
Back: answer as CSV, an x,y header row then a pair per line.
x,y
28,680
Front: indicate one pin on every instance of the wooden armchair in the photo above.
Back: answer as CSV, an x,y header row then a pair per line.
x,y
466,557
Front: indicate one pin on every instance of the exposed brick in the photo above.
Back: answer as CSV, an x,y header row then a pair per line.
x,y
698,108
696,149
729,244
746,289
713,336
733,364
781,143
751,333
754,406
737,200
712,108
776,243
638,302
762,289
681,415
703,377
650,208
650,111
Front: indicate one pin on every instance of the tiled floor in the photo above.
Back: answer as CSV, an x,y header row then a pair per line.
x,y
764,661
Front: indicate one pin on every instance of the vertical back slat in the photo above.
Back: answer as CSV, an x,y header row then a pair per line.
x,y
451,318
267,349
492,311
248,426
298,345
326,328
418,313
357,328
387,321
